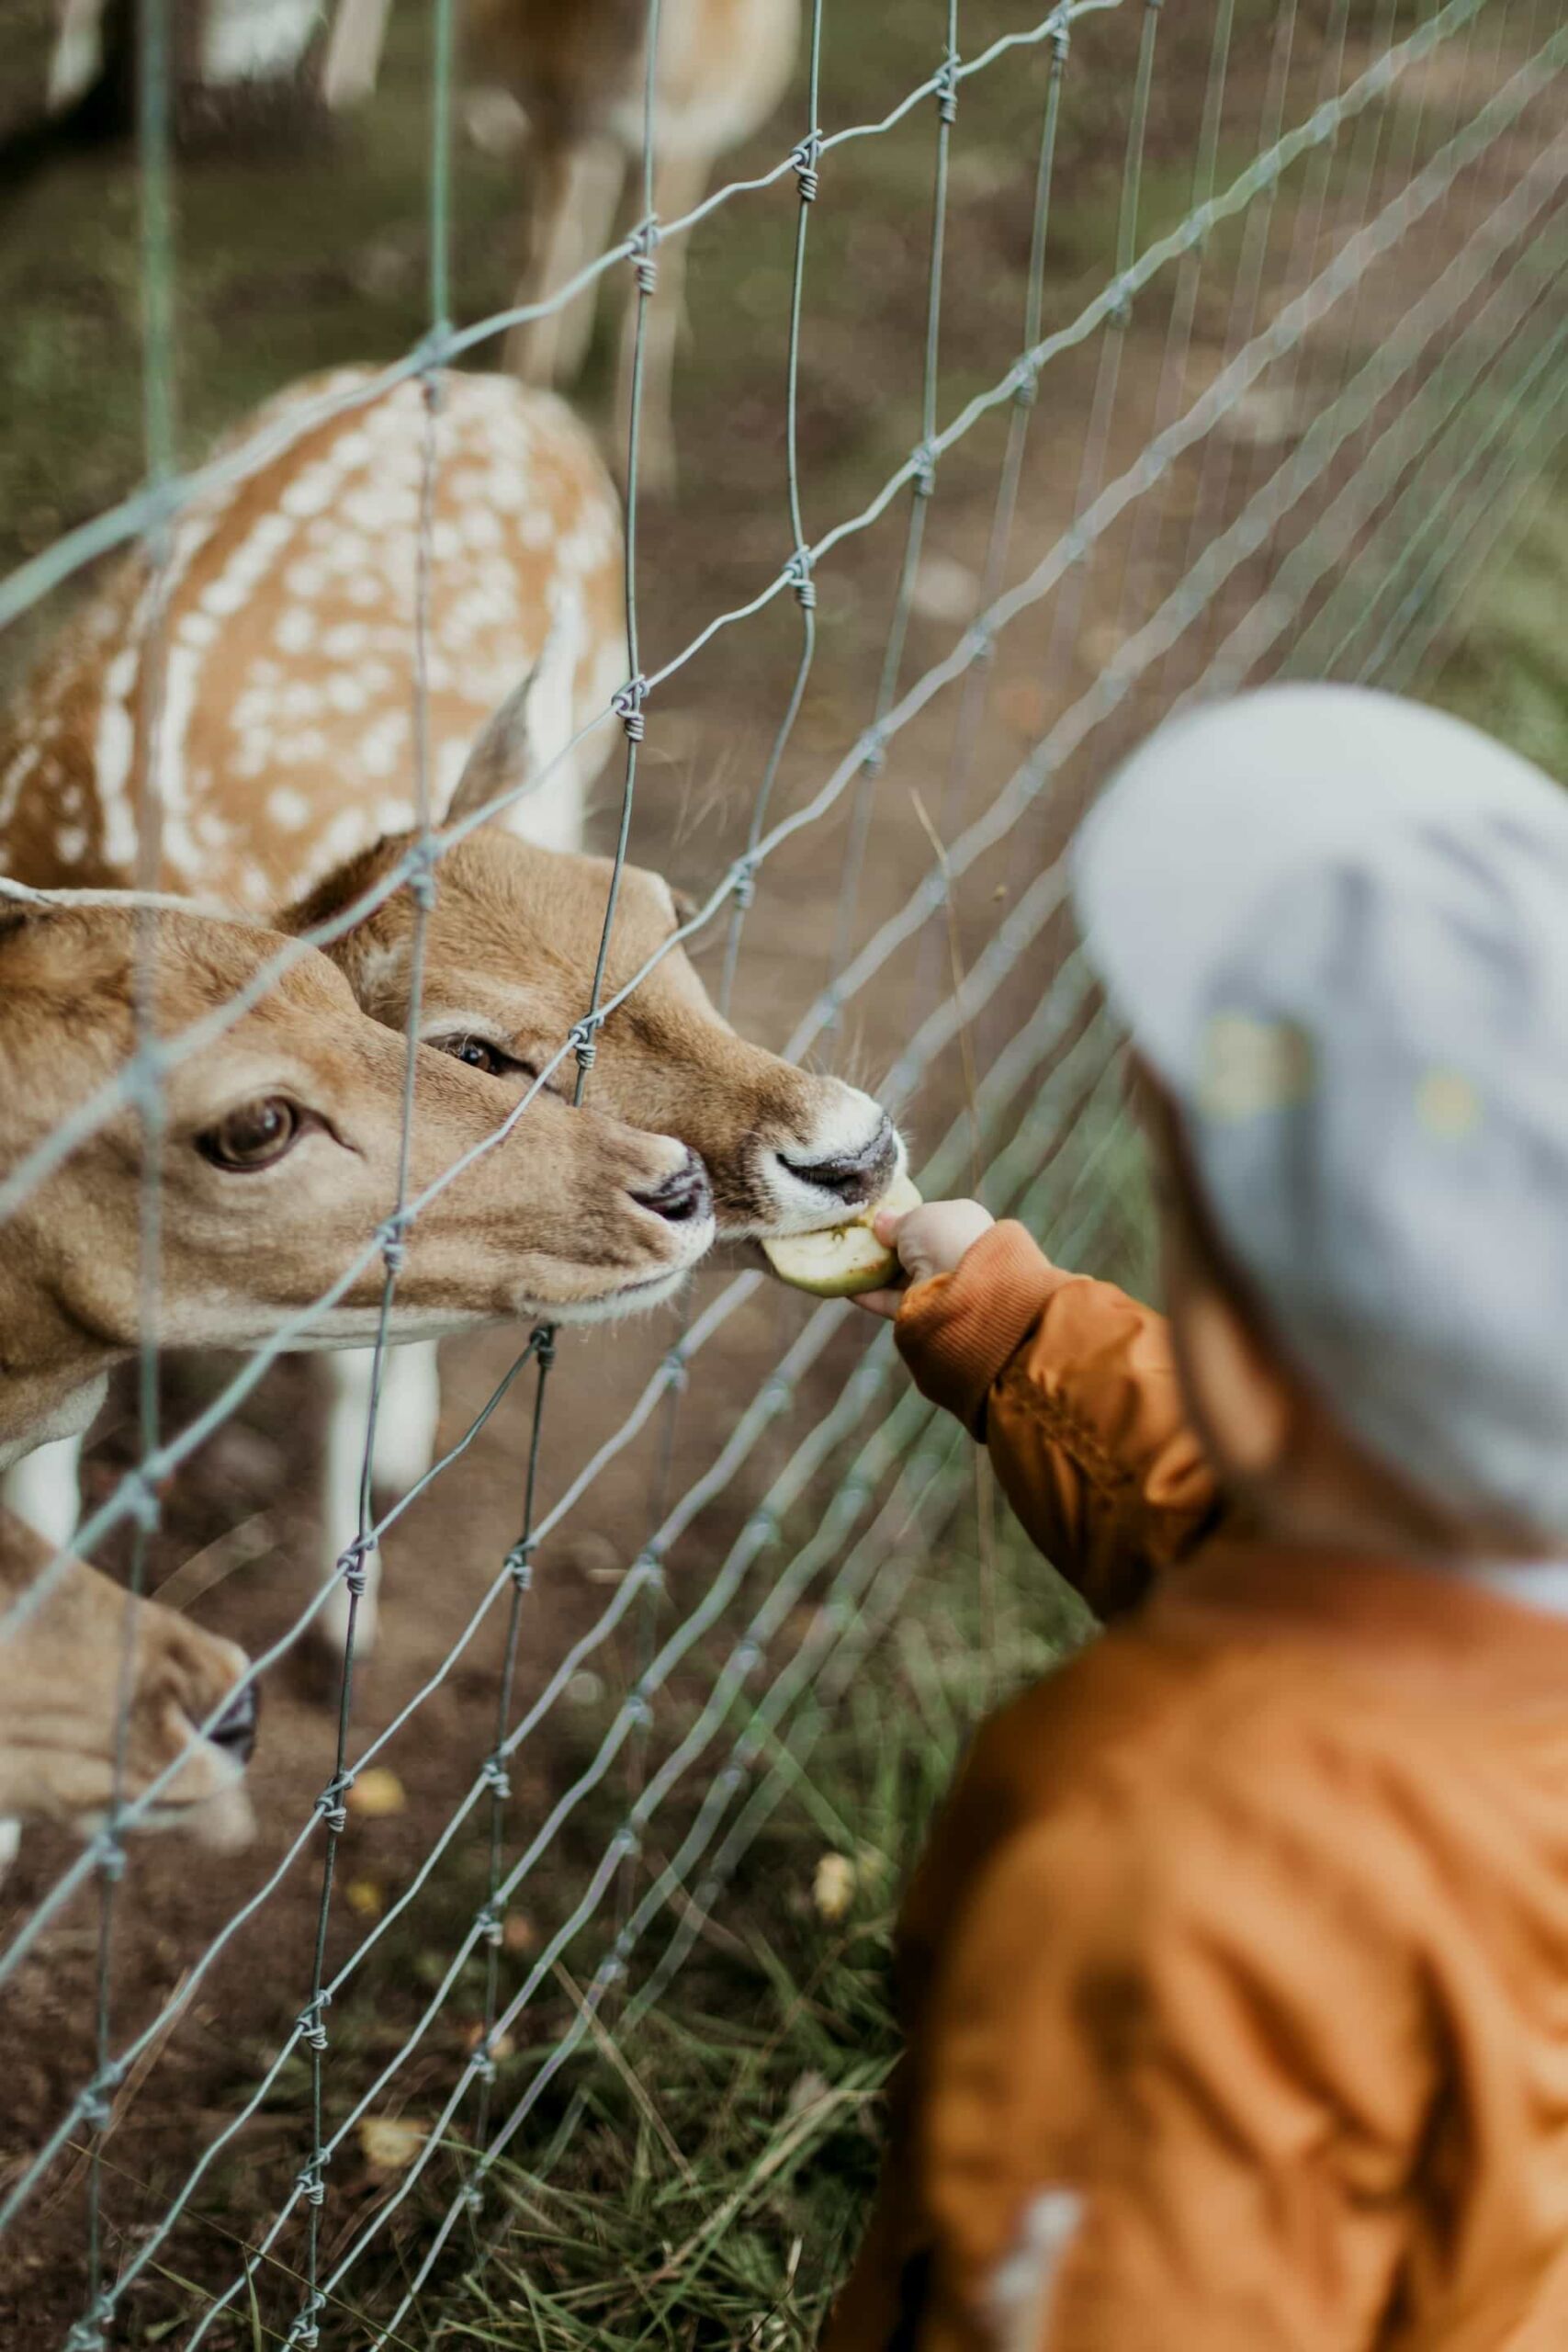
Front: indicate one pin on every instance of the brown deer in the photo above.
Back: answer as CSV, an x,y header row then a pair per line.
x,y
578,70
310,795
277,1157
71,1662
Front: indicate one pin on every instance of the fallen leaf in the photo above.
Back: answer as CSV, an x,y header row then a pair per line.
x,y
375,1794
390,2143
365,1898
519,1935
834,1888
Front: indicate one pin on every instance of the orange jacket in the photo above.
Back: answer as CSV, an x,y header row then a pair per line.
x,y
1235,1977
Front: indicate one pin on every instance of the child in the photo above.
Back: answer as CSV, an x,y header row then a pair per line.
x,y
1235,1974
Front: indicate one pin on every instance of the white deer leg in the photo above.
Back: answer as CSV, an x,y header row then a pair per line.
x,y
403,1449
45,1488
354,51
679,187
569,216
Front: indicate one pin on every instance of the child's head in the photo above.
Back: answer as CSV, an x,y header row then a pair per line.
x,y
1338,928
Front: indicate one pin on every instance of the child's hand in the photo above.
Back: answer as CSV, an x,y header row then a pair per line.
x,y
929,1240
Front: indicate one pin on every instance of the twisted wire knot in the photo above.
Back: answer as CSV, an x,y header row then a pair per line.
x,y
677,1371
797,571
644,259
639,1713
141,1497
330,1803
648,1569
745,883
312,2032
481,2065
947,90
88,2334
352,1563
310,2184
304,2330
422,875
111,1860
808,159
520,1564
627,707
98,2100
874,759
747,1657
545,1346
496,1778
584,1042
390,1239
924,481
487,1920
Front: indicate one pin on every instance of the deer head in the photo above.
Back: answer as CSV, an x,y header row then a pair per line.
x,y
509,955
277,1150
65,1681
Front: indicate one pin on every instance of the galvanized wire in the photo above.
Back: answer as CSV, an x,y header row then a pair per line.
x,y
1396,492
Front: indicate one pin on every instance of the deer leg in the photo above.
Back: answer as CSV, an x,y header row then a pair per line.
x,y
45,1488
353,57
401,1451
77,58
570,216
348,1374
679,185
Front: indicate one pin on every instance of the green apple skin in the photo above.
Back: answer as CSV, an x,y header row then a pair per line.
x,y
843,1259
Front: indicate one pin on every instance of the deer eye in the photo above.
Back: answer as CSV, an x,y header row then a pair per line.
x,y
254,1136
477,1053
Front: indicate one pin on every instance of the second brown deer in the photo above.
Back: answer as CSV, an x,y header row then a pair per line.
x,y
286,752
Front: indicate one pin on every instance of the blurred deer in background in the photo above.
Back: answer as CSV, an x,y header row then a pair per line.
x,y
76,1655
578,70
287,753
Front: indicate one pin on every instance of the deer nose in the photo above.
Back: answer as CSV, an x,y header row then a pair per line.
x,y
235,1730
852,1175
681,1197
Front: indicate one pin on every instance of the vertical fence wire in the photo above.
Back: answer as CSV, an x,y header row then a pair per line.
x,y
1375,567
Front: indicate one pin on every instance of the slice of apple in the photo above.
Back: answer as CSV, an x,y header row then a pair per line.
x,y
843,1259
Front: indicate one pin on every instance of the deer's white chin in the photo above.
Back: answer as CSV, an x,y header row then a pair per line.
x,y
637,1298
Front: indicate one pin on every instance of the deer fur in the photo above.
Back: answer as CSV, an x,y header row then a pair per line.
x,y
514,933
568,1214
83,1654
578,69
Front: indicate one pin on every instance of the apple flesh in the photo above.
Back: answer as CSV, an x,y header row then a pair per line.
x,y
843,1259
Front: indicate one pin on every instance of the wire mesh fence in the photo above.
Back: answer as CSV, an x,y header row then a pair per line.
x,y
1267,405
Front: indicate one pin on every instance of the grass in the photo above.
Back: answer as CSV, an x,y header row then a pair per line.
x,y
697,2176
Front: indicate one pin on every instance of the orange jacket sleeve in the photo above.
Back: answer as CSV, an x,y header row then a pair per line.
x,y
1072,1385
1174,2085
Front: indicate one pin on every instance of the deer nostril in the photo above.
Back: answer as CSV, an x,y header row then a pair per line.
x,y
236,1729
853,1176
681,1197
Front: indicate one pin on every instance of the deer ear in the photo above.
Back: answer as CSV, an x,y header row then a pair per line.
x,y
500,757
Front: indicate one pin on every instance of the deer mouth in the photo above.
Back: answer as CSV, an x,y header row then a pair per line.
x,y
801,1188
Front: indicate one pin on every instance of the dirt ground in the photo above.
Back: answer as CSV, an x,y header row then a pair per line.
x,y
300,256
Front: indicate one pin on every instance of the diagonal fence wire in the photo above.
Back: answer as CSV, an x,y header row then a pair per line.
x,y
1389,512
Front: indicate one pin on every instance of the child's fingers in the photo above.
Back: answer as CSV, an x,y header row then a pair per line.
x,y
884,1303
886,1224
